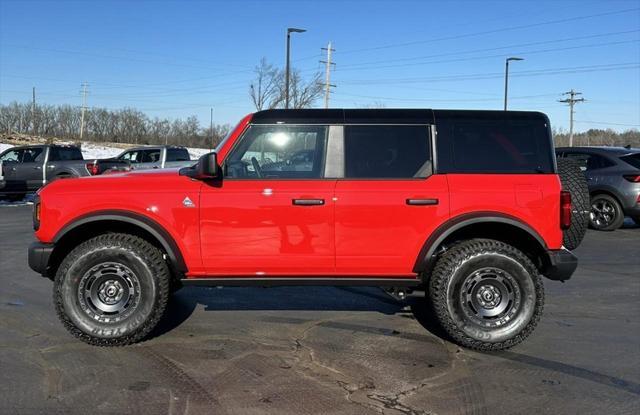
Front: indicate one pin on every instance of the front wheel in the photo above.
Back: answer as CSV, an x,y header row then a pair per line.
x,y
486,295
112,290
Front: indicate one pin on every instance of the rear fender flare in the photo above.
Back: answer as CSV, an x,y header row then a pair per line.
x,y
435,240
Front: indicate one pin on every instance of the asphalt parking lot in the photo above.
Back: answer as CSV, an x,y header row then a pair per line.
x,y
309,350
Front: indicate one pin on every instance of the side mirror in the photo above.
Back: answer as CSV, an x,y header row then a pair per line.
x,y
207,167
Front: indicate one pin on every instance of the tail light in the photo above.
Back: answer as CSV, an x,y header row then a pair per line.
x,y
93,168
565,210
635,178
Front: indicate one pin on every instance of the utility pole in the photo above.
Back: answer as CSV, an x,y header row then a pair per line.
x,y
327,81
84,106
572,100
33,112
211,127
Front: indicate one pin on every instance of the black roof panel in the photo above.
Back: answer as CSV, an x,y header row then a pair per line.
x,y
380,116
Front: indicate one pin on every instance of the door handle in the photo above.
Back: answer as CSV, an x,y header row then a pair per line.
x,y
51,166
308,202
422,202
37,168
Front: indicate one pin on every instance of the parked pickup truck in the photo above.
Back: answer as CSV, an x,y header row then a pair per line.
x,y
157,157
25,169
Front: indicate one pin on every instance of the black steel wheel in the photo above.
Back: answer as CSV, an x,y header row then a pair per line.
x,y
112,289
486,295
606,213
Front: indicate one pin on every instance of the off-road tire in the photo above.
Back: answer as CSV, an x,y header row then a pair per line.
x,y
617,212
574,181
461,263
146,268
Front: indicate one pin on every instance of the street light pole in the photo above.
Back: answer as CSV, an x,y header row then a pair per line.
x,y
506,78
286,71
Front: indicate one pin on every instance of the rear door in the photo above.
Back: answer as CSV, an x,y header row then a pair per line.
x,y
59,158
272,213
388,201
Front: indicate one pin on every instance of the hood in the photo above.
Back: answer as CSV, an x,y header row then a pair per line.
x,y
138,181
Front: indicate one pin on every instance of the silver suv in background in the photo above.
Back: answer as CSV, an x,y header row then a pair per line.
x,y
613,177
157,157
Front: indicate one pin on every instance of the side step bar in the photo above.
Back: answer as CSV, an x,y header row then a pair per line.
x,y
294,281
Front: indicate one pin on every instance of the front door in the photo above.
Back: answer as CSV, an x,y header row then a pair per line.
x,y
29,170
389,201
272,213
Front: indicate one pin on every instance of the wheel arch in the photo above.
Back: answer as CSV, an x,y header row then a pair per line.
x,y
489,225
88,226
606,191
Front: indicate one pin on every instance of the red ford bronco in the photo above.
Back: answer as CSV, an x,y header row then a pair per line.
x,y
466,206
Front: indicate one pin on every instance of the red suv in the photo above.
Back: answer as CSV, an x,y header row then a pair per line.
x,y
464,205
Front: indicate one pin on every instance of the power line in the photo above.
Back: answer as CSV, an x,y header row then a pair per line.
x,y
504,29
493,75
606,123
571,100
509,47
472,58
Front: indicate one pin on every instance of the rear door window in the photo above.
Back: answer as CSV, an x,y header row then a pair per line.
x,y
177,154
480,145
65,154
387,151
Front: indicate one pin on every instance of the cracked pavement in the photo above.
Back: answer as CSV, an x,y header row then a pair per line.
x,y
325,350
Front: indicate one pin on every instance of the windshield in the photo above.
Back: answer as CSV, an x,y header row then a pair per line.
x,y
632,159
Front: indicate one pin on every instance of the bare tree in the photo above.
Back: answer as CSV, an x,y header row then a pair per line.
x,y
267,89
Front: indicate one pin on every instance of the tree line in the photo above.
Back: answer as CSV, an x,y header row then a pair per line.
x,y
126,125
598,137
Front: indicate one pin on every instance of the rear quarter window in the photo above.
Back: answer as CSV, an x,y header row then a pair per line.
x,y
632,159
479,145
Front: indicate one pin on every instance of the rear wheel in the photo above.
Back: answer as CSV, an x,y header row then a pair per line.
x,y
606,213
486,295
574,181
112,290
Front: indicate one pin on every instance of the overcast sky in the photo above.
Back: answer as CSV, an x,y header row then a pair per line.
x,y
174,59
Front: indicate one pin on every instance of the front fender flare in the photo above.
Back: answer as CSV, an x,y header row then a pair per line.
x,y
149,225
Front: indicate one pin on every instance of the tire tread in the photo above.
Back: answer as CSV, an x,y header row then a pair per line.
x,y
150,254
446,266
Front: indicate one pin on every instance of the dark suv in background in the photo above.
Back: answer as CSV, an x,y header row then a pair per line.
x,y
613,177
